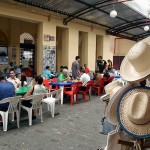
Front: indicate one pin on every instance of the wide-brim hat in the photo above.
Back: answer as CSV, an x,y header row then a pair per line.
x,y
112,88
136,64
133,112
111,111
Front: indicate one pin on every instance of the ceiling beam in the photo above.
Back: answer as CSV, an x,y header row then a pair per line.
x,y
132,26
122,36
66,20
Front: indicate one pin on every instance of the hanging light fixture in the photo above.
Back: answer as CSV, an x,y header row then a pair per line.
x,y
146,28
113,13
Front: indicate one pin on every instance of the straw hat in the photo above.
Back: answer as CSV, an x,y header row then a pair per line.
x,y
136,65
134,112
112,88
111,112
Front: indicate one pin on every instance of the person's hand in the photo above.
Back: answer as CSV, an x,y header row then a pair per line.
x,y
78,78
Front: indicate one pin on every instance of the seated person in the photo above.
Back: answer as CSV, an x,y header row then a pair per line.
x,y
84,78
63,76
6,90
47,73
97,78
15,81
106,73
35,89
23,80
87,71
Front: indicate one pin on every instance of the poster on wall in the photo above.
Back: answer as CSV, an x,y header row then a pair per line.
x,y
49,57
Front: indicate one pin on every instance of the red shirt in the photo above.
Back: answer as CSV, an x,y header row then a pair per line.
x,y
87,70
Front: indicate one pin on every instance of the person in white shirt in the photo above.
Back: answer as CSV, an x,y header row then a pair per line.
x,y
24,63
15,81
84,78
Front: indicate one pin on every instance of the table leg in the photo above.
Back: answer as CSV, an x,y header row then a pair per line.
x,y
62,94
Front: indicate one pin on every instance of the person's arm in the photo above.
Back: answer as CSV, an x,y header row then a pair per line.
x,y
49,74
78,71
29,92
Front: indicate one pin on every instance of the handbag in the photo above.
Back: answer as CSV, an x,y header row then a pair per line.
x,y
114,136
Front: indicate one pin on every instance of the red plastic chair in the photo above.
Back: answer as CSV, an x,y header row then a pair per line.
x,y
46,84
56,87
110,79
99,88
88,90
74,91
54,79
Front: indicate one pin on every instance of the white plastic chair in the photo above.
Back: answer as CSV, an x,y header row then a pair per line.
x,y
51,99
12,108
29,80
36,101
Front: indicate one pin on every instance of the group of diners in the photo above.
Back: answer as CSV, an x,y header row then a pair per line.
x,y
8,89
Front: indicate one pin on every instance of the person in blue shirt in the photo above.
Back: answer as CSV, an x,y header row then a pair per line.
x,y
47,73
7,89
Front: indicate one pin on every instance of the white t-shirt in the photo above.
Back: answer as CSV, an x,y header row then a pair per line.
x,y
39,89
84,79
14,81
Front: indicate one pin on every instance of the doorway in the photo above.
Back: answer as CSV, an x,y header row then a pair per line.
x,y
62,46
83,45
27,48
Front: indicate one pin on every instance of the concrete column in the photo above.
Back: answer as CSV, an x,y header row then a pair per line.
x,y
14,40
39,51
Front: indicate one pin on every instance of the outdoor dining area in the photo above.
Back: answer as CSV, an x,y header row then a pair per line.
x,y
55,93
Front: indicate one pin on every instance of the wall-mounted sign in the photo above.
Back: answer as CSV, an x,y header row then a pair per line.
x,y
48,38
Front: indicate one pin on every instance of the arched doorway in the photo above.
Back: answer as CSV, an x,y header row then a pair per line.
x,y
27,48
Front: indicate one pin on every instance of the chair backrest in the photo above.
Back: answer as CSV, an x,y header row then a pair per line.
x,y
110,79
55,94
101,82
29,80
88,86
54,79
46,83
75,87
92,82
13,103
35,100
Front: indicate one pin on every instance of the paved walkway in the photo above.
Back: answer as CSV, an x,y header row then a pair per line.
x,y
75,128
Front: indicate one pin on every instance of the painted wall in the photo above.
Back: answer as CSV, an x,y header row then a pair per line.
x,y
39,25
123,46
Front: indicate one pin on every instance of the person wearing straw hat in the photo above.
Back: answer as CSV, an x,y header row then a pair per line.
x,y
136,64
133,112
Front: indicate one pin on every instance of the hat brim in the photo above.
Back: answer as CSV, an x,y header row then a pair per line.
x,y
129,73
136,130
111,111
